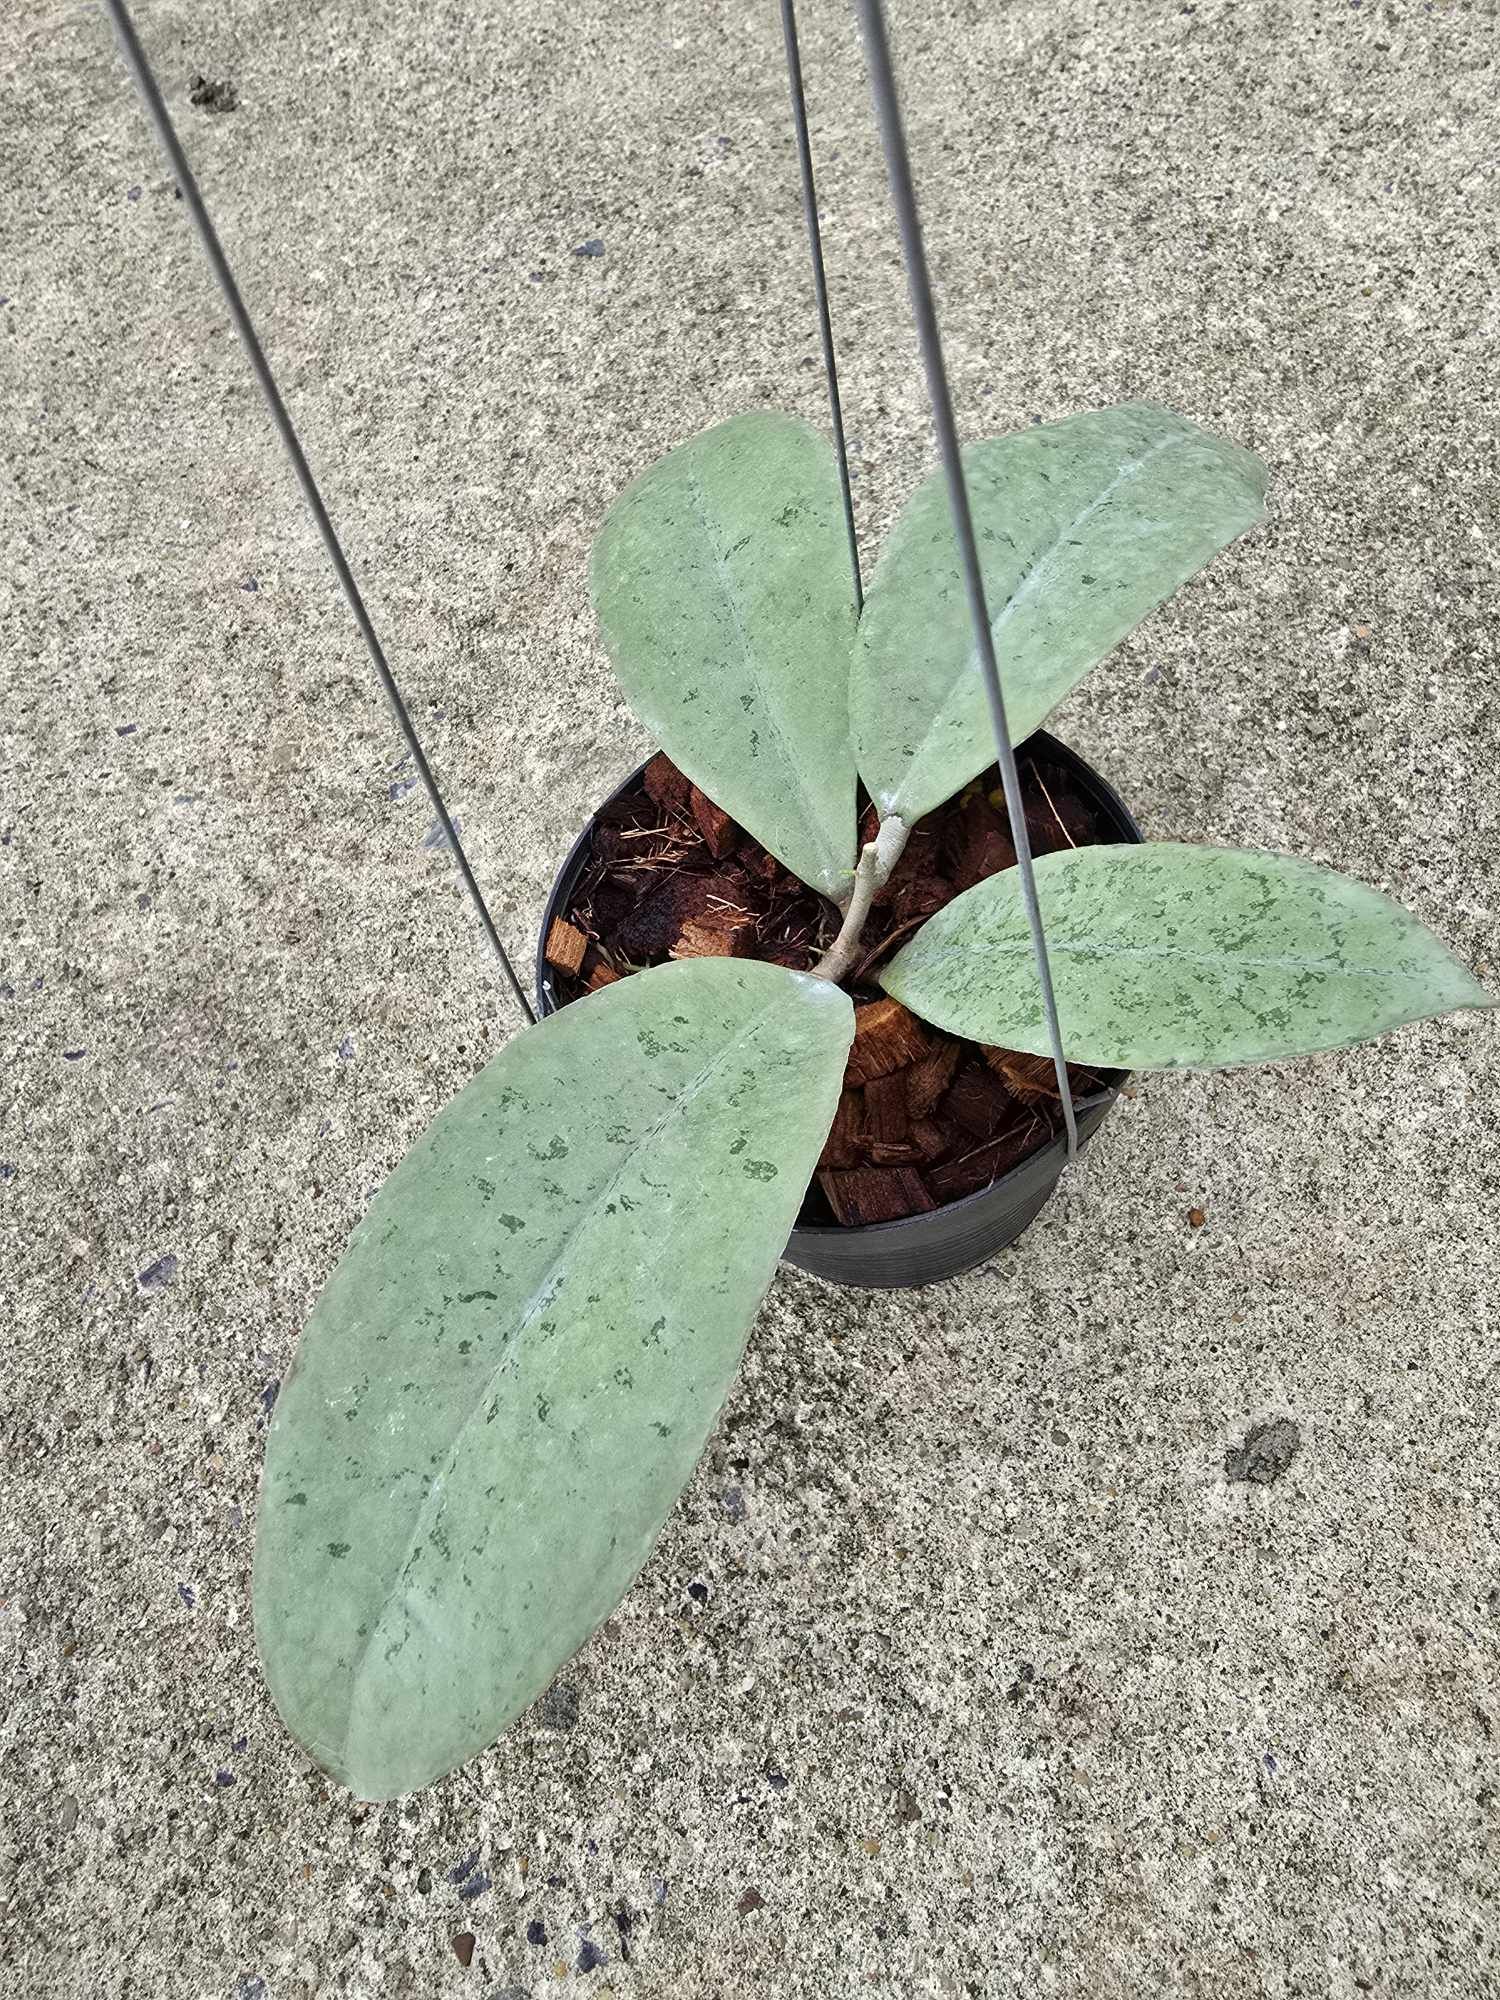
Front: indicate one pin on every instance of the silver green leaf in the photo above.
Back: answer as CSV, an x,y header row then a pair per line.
x,y
1176,957
1083,527
512,1372
722,585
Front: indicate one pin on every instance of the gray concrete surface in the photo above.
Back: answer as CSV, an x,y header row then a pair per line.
x,y
1001,1684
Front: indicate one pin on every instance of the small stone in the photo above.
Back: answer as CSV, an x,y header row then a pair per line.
x,y
210,96
424,1882
463,1948
1197,1217
732,1500
71,1420
871,1846
1265,1454
589,1956
594,247
67,1818
558,1707
157,1276
751,1900
536,1931
907,1809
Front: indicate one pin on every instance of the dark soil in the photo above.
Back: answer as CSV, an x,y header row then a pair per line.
x,y
925,1118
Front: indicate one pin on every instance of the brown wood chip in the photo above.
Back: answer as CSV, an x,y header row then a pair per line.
x,y
714,934
720,834
927,1080
928,1139
842,1146
876,1194
566,945
602,975
887,1114
979,1101
665,784
915,902
982,845
653,926
886,1038
1031,1078
973,1171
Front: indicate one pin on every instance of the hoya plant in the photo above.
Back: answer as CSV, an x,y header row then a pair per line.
x,y
512,1372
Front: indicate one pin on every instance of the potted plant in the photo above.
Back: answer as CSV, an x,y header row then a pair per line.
x,y
512,1372
942,1150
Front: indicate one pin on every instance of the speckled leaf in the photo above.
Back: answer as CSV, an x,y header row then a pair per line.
x,y
721,579
1175,957
512,1372
1084,526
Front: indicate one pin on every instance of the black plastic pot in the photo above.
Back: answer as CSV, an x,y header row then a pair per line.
x,y
919,1249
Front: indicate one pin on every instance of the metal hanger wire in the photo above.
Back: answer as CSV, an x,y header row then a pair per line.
x,y
820,282
898,165
871,16
165,131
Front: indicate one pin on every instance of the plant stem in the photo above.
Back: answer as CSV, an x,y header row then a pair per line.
x,y
876,860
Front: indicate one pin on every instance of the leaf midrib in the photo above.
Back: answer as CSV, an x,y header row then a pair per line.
x,y
540,1297
1041,567
998,946
724,578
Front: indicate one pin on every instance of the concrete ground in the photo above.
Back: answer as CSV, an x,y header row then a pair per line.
x,y
1002,1683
